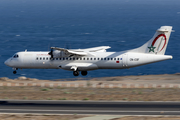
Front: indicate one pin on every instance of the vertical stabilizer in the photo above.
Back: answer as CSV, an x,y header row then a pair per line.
x,y
157,44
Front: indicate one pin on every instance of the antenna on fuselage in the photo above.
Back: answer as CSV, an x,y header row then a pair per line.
x,y
67,46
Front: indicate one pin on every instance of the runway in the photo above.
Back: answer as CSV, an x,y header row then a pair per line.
x,y
89,107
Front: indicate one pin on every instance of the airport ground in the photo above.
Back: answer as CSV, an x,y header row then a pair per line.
x,y
167,88
109,94
79,117
91,93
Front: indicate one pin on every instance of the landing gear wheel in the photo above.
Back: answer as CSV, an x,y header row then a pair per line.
x,y
75,73
83,73
14,72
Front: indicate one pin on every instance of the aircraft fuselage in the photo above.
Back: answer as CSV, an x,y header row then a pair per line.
x,y
101,60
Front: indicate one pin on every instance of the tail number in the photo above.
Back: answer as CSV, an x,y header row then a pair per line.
x,y
134,59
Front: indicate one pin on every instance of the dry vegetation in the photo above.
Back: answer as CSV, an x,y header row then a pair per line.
x,y
59,93
38,117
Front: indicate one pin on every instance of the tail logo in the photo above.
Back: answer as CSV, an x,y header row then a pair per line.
x,y
163,37
151,48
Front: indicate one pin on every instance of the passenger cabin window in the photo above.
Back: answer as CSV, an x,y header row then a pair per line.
x,y
56,58
37,58
47,58
94,58
43,58
40,58
114,58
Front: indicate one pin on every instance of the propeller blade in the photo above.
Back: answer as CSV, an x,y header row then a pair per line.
x,y
51,53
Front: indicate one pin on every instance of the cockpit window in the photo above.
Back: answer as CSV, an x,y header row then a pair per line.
x,y
16,56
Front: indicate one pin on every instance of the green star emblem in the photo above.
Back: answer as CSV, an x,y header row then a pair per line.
x,y
151,48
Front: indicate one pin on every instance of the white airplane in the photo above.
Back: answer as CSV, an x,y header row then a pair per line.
x,y
84,60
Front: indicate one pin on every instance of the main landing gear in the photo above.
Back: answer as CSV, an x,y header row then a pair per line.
x,y
76,73
83,73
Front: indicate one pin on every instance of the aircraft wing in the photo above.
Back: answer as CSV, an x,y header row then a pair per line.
x,y
97,49
80,53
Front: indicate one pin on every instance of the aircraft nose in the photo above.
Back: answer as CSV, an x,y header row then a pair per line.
x,y
6,62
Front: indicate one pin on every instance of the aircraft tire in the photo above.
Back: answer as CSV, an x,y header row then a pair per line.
x,y
75,73
83,73
14,72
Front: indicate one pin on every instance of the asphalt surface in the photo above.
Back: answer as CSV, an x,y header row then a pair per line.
x,y
90,107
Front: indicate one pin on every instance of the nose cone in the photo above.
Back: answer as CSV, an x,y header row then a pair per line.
x,y
7,62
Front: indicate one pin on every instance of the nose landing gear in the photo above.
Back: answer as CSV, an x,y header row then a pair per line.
x,y
14,72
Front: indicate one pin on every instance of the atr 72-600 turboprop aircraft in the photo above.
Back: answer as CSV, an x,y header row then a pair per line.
x,y
83,60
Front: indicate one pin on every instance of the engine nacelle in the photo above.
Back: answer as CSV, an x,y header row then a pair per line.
x,y
58,54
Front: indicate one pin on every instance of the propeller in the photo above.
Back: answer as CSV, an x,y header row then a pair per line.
x,y
51,53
